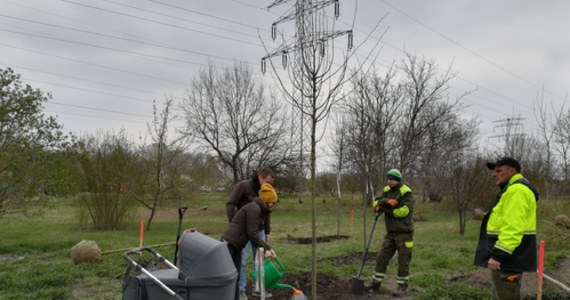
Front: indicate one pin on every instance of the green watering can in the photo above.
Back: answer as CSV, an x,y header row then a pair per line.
x,y
274,271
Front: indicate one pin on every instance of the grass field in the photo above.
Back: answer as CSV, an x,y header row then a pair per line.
x,y
37,265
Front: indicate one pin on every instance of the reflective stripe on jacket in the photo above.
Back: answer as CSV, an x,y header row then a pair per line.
x,y
513,217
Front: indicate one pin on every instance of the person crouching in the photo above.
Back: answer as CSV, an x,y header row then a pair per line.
x,y
247,222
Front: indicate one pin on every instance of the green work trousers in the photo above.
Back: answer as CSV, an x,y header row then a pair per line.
x,y
401,242
506,285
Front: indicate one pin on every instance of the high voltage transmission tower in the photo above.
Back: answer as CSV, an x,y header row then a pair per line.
x,y
511,134
311,35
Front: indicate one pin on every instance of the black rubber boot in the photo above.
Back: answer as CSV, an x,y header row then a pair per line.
x,y
375,286
401,291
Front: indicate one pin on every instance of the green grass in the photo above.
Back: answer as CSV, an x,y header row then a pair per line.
x,y
46,271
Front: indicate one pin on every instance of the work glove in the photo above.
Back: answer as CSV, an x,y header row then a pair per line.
x,y
388,203
393,202
376,204
270,253
377,208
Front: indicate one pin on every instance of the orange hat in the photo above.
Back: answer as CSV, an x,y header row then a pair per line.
x,y
267,193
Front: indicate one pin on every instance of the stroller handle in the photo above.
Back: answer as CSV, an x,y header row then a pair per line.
x,y
138,250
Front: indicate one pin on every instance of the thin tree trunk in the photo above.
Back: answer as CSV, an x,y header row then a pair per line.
x,y
313,211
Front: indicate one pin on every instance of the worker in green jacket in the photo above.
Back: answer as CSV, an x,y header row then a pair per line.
x,y
396,204
507,240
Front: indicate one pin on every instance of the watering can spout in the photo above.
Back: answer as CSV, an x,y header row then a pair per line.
x,y
280,286
298,295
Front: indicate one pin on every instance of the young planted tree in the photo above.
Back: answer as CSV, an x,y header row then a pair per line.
x,y
316,77
229,113
339,146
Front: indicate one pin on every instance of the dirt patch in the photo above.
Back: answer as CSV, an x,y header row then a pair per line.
x,y
331,287
320,239
481,278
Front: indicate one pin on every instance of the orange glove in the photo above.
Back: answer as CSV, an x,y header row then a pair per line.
x,y
377,208
393,202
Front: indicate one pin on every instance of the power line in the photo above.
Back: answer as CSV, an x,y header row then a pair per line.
x,y
81,79
207,15
182,19
118,38
89,90
93,64
403,51
100,109
161,23
94,117
104,47
479,86
469,50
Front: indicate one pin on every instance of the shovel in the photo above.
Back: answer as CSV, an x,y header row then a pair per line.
x,y
181,210
357,285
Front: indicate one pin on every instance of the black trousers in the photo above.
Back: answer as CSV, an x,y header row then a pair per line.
x,y
236,258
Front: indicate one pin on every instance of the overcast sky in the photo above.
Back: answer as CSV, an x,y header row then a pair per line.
x,y
104,61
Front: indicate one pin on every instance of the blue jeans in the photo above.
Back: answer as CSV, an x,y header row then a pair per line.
x,y
244,256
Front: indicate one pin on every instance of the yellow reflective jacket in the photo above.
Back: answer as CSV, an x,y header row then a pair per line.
x,y
399,218
508,231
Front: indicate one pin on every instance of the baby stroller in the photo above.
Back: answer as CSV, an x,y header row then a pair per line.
x,y
206,272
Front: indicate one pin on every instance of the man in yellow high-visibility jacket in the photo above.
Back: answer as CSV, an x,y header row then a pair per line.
x,y
507,240
396,203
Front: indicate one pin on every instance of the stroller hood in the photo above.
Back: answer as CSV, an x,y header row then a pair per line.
x,y
205,261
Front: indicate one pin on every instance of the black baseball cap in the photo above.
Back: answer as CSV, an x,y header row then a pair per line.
x,y
505,161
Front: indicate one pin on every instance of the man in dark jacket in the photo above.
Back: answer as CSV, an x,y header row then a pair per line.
x,y
247,223
507,240
396,204
243,193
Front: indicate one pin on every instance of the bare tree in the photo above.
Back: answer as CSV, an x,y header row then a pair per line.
x,y
427,98
562,143
469,184
447,140
229,113
372,110
162,162
547,123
